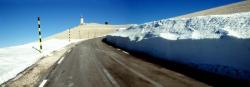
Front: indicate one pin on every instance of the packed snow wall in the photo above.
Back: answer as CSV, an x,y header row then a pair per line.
x,y
219,44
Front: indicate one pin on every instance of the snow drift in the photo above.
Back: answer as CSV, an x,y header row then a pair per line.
x,y
15,59
218,44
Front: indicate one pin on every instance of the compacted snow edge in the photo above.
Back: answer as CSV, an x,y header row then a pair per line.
x,y
219,43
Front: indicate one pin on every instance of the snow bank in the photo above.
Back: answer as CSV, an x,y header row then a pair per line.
x,y
218,43
15,59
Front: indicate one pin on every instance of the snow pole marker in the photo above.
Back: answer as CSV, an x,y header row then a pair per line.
x,y
40,35
88,33
69,34
79,33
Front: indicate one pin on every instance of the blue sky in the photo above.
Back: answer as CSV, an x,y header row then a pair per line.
x,y
18,18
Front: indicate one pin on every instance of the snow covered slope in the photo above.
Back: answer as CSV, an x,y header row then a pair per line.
x,y
17,58
242,6
218,43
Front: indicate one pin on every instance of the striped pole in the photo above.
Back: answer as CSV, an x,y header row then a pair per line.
x,y
40,35
94,34
79,33
69,34
88,33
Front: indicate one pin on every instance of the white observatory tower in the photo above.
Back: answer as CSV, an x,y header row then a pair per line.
x,y
81,21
